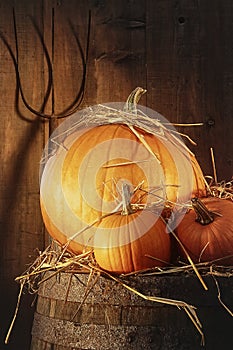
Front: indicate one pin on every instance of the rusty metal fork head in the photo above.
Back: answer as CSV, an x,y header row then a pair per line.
x,y
74,105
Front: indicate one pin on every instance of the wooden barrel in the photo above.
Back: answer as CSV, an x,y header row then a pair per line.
x,y
73,314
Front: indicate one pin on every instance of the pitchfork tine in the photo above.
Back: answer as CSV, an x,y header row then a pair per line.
x,y
49,64
72,108
31,109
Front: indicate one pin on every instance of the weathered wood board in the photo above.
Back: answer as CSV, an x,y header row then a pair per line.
x,y
180,51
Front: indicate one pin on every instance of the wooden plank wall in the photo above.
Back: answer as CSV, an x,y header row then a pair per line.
x,y
22,139
180,50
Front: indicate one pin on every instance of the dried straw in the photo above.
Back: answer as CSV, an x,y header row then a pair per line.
x,y
15,314
104,114
58,260
220,299
189,309
213,164
55,260
49,260
188,257
222,189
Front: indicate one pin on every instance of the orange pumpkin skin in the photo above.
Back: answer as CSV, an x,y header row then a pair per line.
x,y
62,186
212,241
137,254
60,237
189,182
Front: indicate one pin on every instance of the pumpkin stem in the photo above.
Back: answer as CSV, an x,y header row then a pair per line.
x,y
133,98
126,196
204,216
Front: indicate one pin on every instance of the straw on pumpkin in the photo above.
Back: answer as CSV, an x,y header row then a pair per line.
x,y
188,257
103,114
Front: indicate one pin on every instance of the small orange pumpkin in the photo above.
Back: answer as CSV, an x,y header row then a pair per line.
x,y
131,240
206,231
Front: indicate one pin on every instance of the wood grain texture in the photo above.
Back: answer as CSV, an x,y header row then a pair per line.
x,y
22,140
179,50
118,49
110,316
189,74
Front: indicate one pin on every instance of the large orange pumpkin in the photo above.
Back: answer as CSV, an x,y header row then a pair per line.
x,y
206,231
80,187
89,176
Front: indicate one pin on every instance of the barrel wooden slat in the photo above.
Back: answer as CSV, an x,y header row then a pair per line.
x,y
111,317
39,344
